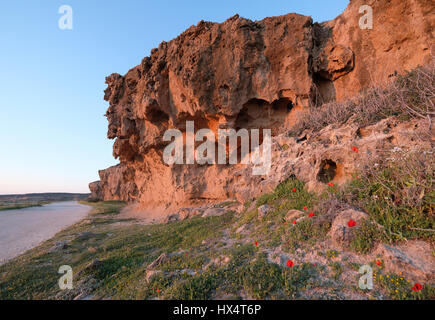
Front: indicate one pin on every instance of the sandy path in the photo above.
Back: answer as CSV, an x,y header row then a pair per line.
x,y
23,229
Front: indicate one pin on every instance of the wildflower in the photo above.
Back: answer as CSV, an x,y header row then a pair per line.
x,y
305,208
311,214
290,263
355,149
294,189
351,223
330,184
417,287
378,262
294,221
256,243
157,290
285,222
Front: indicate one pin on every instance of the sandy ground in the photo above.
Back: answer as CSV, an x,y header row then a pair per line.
x,y
23,229
143,215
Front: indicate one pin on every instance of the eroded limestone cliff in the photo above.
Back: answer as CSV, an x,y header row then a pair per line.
x,y
253,74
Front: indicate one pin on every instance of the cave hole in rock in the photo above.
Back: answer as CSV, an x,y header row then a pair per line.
x,y
323,90
260,114
157,116
328,171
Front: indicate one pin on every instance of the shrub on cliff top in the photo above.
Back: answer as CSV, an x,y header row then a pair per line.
x,y
411,95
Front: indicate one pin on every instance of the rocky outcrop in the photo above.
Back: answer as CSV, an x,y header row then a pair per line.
x,y
415,259
262,74
401,39
344,227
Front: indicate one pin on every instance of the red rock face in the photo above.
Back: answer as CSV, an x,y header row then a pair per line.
x,y
401,39
245,74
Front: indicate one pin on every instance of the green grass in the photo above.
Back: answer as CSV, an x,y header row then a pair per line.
x,y
14,206
305,233
208,260
366,237
397,287
399,195
283,197
124,252
337,269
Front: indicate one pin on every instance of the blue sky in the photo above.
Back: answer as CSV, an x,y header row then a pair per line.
x,y
52,132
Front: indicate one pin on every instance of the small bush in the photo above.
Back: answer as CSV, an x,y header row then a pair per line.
x,y
337,270
366,237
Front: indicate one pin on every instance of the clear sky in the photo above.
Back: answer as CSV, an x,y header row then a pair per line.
x,y
52,128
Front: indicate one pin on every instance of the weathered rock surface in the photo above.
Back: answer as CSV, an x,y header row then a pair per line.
x,y
401,38
214,212
293,215
262,74
415,259
160,260
341,233
264,210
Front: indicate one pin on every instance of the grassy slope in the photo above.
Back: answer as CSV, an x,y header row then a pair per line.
x,y
209,259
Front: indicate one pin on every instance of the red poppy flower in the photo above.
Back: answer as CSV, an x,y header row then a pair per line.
x,y
185,254
157,290
285,222
351,223
294,221
311,214
256,243
417,287
355,149
290,263
330,184
378,262
294,189
305,208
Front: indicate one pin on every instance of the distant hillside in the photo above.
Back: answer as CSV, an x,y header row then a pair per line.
x,y
36,197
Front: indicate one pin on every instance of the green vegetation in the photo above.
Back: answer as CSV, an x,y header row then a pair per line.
x,y
399,195
336,269
207,259
109,261
399,288
366,237
290,194
12,206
